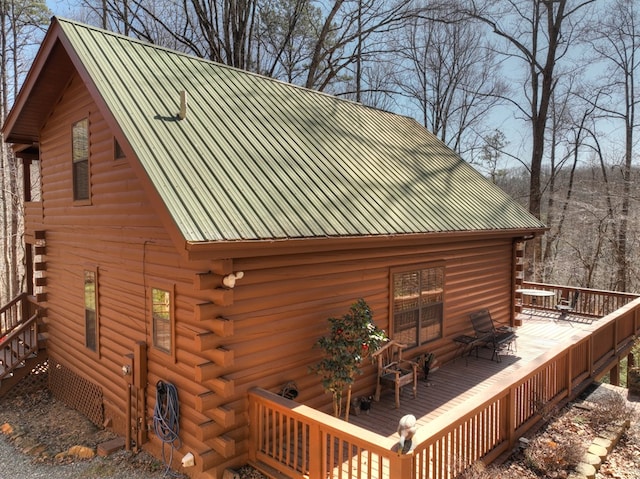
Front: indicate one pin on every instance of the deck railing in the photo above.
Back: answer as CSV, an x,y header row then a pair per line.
x,y
301,442
591,302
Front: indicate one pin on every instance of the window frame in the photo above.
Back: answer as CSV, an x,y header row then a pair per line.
x,y
81,159
93,270
417,268
170,289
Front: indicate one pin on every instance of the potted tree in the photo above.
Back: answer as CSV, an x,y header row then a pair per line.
x,y
352,338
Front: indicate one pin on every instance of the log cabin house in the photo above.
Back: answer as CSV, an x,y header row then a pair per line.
x,y
194,224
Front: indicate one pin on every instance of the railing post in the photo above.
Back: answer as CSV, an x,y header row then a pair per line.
x,y
510,422
253,428
317,450
569,371
402,466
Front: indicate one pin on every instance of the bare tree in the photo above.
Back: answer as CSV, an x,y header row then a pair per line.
x,y
537,34
21,23
449,72
285,38
616,42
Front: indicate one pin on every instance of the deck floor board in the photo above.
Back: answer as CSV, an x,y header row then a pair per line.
x,y
463,379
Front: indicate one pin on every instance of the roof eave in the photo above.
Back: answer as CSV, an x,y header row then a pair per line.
x,y
205,250
25,94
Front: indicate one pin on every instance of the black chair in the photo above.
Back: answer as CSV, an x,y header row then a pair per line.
x,y
497,339
565,306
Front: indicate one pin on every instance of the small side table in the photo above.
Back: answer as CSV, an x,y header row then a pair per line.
x,y
466,344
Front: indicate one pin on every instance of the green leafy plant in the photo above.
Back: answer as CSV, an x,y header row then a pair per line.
x,y
352,338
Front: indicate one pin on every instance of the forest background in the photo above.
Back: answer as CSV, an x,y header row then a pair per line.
x,y
539,95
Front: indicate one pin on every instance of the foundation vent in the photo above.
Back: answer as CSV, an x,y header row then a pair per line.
x,y
76,392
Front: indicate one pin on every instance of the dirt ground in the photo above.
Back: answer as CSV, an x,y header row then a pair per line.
x,y
43,429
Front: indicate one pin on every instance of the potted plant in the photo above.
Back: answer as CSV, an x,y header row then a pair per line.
x,y
352,338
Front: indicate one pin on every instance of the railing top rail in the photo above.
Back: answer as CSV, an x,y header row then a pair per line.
x,y
355,434
517,378
18,328
577,288
13,302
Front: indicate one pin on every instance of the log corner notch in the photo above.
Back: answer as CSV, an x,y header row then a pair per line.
x,y
219,281
211,280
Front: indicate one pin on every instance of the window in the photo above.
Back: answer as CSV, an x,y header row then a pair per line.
x,y
161,315
417,305
91,310
118,152
80,154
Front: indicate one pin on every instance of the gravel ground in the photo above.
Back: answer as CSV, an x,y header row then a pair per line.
x,y
37,433
16,465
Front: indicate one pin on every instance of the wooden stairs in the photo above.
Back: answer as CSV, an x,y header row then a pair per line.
x,y
22,345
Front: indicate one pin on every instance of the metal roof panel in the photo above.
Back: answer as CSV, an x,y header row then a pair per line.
x,y
256,158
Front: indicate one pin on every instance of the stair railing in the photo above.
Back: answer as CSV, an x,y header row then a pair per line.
x,y
18,333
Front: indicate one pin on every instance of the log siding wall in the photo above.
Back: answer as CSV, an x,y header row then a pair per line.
x,y
265,334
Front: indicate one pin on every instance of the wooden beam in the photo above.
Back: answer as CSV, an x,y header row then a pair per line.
x,y
224,446
207,460
206,401
208,430
208,280
222,357
223,416
224,387
204,311
222,266
206,341
222,297
207,404
223,327
206,371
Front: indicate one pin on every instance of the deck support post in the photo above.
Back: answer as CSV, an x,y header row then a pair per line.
x,y
631,363
614,375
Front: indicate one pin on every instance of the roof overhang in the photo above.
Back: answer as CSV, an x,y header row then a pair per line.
x,y
51,71
238,249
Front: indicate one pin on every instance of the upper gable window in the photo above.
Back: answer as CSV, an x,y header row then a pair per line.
x,y
418,300
118,152
80,147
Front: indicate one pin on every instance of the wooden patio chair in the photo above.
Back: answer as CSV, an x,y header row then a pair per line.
x,y
393,371
565,306
497,339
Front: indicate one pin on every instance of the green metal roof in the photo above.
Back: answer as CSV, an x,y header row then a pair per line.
x,y
256,158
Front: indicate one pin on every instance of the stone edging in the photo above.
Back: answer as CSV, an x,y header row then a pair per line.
x,y
597,452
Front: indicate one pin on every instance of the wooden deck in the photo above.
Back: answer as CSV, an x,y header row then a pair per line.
x,y
464,378
470,409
